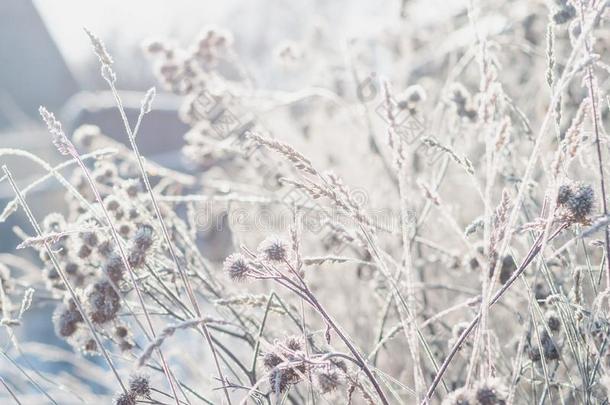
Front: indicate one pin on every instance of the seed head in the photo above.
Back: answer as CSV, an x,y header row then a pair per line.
x,y
581,201
132,187
553,321
85,135
125,399
112,203
71,268
84,251
273,249
105,248
125,229
533,353
89,347
66,319
99,48
114,268
328,378
105,172
564,194
125,345
490,392
103,302
507,269
237,267
279,380
139,385
147,101
293,343
54,222
136,258
143,239
121,331
577,201
60,140
566,13
271,359
549,348
89,238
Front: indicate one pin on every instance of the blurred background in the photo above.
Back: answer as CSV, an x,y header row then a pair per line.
x,y
46,59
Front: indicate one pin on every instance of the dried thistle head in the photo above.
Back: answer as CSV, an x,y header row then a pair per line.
x,y
289,351
576,201
280,380
274,249
294,343
132,187
139,385
552,320
271,359
144,237
83,251
66,319
136,258
411,98
86,344
105,247
123,337
124,398
114,267
582,200
549,347
121,331
490,392
237,266
125,229
564,193
114,205
329,377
